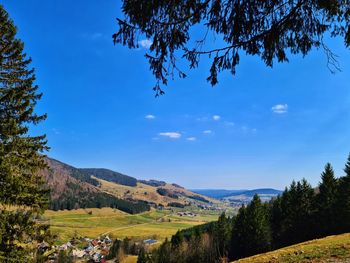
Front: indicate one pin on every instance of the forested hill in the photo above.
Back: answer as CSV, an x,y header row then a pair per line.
x,y
71,188
298,214
110,176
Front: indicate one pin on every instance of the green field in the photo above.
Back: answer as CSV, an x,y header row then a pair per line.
x,y
329,249
106,221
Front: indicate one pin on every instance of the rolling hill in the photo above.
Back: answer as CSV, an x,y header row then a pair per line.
x,y
164,194
329,249
110,176
73,188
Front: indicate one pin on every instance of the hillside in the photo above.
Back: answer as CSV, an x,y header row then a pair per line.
x,y
329,249
164,194
71,188
110,176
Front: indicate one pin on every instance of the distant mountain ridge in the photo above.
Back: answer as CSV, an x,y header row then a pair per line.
x,y
217,193
223,193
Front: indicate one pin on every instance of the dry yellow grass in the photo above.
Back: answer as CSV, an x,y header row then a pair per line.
x,y
145,192
329,249
66,224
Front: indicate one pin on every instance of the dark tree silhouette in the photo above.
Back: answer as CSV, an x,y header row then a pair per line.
x,y
23,196
269,29
326,214
343,200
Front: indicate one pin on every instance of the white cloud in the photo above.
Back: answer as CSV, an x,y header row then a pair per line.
x,y
172,135
145,43
280,108
191,139
208,132
216,117
150,117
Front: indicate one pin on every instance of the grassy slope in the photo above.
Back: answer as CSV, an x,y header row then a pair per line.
x,y
329,249
118,224
146,192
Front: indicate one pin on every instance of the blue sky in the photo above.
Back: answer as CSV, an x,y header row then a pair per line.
x,y
233,136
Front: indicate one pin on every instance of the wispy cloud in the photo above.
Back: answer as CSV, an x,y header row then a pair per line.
x,y
172,135
92,36
202,119
56,131
208,132
191,139
247,130
145,43
216,117
280,108
96,35
150,117
229,123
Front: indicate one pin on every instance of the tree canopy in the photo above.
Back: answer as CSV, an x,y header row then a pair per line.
x,y
270,29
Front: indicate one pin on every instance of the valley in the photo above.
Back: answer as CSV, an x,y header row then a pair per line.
x,y
95,222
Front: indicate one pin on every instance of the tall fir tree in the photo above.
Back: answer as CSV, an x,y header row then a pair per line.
x,y
142,256
343,200
222,235
297,207
22,193
325,214
251,232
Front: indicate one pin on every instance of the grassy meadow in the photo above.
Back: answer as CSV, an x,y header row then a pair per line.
x,y
329,249
95,222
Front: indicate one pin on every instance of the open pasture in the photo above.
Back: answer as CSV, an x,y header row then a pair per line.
x,y
95,222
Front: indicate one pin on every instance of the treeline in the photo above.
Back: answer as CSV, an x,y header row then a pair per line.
x,y
110,176
300,213
198,198
77,173
166,192
69,200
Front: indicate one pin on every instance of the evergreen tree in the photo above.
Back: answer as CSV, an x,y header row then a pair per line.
x,y
163,253
143,256
296,214
22,194
325,215
271,30
251,232
343,200
276,216
113,251
222,235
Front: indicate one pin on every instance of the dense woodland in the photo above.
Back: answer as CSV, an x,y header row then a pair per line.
x,y
96,199
300,213
110,176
